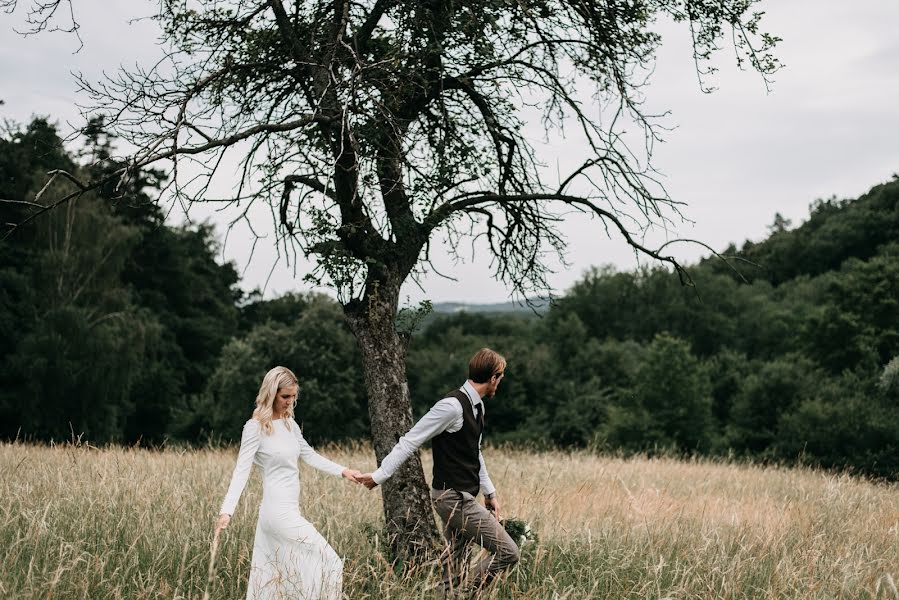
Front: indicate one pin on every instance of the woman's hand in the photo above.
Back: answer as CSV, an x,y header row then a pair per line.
x,y
352,475
222,523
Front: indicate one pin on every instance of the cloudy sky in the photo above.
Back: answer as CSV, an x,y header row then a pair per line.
x,y
827,127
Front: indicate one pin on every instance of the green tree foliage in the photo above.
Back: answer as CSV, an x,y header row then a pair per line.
x,y
788,367
856,324
670,406
119,327
108,317
771,390
727,372
888,383
319,348
847,423
174,274
255,310
835,231
72,333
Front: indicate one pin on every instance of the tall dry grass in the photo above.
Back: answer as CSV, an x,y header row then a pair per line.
x,y
78,522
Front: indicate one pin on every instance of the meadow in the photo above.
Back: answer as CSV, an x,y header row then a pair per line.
x,y
83,522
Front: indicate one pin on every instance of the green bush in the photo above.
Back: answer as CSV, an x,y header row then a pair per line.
x,y
671,403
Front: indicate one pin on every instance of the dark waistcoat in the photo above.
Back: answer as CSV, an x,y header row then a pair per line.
x,y
456,463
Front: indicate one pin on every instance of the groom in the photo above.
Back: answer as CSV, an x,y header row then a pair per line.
x,y
455,425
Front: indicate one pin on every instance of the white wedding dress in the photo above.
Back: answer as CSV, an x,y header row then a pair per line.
x,y
291,560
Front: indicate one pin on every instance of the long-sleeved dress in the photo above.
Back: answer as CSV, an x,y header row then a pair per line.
x,y
290,558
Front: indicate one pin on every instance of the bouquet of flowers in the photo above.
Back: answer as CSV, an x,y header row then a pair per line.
x,y
519,530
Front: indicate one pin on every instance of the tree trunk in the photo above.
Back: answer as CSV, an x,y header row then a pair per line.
x,y
411,529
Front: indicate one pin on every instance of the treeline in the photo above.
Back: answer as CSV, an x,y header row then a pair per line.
x,y
787,351
118,326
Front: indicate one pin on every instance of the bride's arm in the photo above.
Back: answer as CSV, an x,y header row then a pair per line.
x,y
249,444
313,458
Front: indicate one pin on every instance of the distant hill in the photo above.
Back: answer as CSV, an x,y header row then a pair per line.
x,y
539,305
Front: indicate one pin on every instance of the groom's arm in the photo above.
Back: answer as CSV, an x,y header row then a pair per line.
x,y
491,501
441,417
487,487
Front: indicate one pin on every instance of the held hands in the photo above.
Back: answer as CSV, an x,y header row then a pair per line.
x,y
357,477
368,481
351,474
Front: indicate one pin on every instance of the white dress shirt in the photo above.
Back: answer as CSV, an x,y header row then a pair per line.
x,y
444,416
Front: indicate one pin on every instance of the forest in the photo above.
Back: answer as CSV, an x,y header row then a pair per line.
x,y
116,327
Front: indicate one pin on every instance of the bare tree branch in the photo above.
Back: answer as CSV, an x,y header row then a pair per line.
x,y
42,14
476,204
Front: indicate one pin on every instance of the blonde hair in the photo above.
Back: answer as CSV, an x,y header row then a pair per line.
x,y
485,364
274,380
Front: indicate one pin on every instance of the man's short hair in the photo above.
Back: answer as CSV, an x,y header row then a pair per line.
x,y
485,364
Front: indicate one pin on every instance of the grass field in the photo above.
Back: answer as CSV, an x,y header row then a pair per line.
x,y
78,522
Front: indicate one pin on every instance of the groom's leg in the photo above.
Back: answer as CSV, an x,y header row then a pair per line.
x,y
449,505
502,551
467,520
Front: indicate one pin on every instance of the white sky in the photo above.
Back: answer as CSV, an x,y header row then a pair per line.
x,y
829,126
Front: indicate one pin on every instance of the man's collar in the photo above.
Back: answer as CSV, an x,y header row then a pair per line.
x,y
473,394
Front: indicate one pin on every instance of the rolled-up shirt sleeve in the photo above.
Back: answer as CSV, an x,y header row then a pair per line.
x,y
313,458
487,486
249,444
443,416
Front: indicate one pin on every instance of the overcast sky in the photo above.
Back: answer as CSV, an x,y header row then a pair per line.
x,y
828,126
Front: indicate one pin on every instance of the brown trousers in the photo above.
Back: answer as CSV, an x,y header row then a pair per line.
x,y
465,521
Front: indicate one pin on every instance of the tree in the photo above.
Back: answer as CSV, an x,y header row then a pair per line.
x,y
671,405
835,231
46,15
848,422
72,339
318,342
775,388
856,324
780,224
371,128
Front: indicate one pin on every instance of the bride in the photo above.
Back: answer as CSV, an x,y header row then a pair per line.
x,y
290,558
